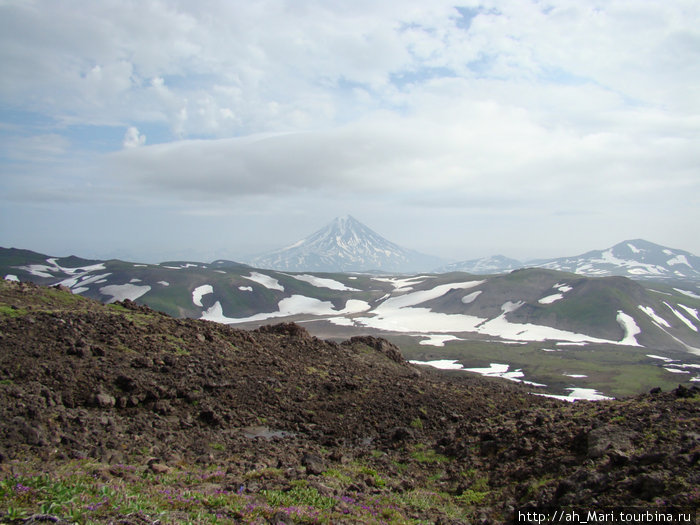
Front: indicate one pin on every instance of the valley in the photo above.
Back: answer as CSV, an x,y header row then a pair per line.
x,y
565,332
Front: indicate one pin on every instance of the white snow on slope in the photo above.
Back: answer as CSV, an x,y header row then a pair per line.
x,y
682,317
678,259
10,277
630,328
121,292
201,291
688,293
83,280
551,298
691,311
403,284
399,314
635,267
438,339
294,305
267,281
322,282
586,394
676,370
651,313
442,364
561,290
245,288
470,298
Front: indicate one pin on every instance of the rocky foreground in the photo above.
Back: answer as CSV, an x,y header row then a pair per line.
x,y
119,414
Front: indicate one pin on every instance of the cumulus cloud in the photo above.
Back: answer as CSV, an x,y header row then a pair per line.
x,y
133,138
494,104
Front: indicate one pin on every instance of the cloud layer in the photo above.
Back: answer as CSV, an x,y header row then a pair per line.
x,y
584,111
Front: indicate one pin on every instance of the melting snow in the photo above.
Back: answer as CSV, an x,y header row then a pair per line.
x,y
294,305
666,359
676,371
438,339
630,328
201,291
682,317
10,277
650,312
245,288
551,298
164,283
322,282
121,292
267,281
442,364
403,284
689,294
691,311
576,376
470,298
588,394
678,259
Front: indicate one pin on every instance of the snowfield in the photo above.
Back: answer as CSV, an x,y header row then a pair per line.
x,y
294,305
630,327
322,282
200,292
651,313
268,282
121,292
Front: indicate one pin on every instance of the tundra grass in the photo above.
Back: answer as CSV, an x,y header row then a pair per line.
x,y
85,491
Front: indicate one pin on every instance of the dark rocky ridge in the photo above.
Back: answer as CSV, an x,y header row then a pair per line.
x,y
122,384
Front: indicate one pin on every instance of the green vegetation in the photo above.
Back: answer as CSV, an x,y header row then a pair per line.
x,y
9,311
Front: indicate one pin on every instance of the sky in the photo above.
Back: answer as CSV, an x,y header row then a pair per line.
x,y
158,130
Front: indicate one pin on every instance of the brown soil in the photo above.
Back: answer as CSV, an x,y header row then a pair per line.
x,y
124,384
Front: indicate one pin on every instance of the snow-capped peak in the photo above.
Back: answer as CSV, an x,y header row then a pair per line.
x,y
345,244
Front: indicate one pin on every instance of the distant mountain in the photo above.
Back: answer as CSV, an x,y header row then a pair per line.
x,y
485,265
636,259
345,245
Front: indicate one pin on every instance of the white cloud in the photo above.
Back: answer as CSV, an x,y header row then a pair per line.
x,y
133,138
507,106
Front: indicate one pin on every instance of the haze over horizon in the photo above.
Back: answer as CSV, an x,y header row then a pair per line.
x,y
163,129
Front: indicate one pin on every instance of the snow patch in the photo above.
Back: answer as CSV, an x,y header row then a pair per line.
x,y
551,298
586,394
265,280
676,371
245,288
442,364
691,311
121,292
688,293
576,376
438,339
322,282
630,328
164,283
403,284
470,298
294,305
679,259
682,318
650,312
10,277
201,291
